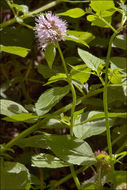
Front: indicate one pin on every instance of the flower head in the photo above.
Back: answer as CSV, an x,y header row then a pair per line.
x,y
49,29
102,159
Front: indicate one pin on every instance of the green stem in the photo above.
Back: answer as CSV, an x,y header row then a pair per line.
x,y
63,61
77,183
105,101
105,93
22,135
99,183
72,89
73,108
9,4
26,25
30,14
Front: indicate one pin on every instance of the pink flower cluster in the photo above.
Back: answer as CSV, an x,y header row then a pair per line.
x,y
49,29
96,153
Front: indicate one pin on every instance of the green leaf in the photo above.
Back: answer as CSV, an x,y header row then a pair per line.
x,y
37,141
22,8
119,62
120,42
70,149
75,39
14,176
74,13
50,54
90,60
15,50
58,77
85,126
49,99
102,7
85,36
81,73
20,117
114,76
46,72
73,60
96,21
47,161
17,36
9,108
120,177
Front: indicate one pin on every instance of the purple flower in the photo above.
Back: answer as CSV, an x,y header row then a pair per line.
x,y
49,29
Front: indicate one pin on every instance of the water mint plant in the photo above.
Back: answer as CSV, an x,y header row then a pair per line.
x,y
63,95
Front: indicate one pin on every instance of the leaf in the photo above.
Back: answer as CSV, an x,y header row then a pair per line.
x,y
120,177
98,21
9,108
81,73
103,8
85,36
49,99
74,13
119,62
14,176
58,77
90,60
20,117
85,126
70,149
50,54
15,50
120,42
17,36
46,72
75,39
22,8
37,141
73,60
47,161
114,76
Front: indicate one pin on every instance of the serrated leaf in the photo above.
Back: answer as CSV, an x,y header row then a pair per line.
x,y
85,36
115,76
46,72
20,51
102,7
81,73
119,62
9,108
87,124
70,149
120,42
50,54
75,39
99,22
90,60
14,176
49,99
74,13
58,77
47,161
37,141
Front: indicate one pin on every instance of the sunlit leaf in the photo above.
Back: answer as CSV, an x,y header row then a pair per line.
x,y
20,51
